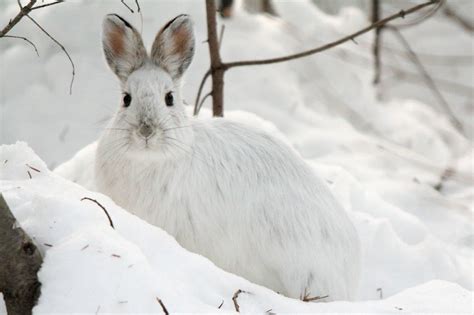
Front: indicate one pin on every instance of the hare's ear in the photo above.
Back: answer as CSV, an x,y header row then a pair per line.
x,y
123,46
173,48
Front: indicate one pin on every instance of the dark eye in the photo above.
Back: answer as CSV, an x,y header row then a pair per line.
x,y
126,100
169,100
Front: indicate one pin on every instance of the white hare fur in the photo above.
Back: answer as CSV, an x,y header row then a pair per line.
x,y
229,192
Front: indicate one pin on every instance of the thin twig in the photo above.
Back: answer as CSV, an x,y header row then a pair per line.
x,y
61,46
201,86
33,168
220,305
126,5
203,100
221,36
47,5
314,298
401,13
428,79
235,297
162,306
138,6
306,298
25,39
103,208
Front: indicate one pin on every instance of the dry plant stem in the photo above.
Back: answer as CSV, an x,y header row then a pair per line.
x,y
62,48
218,67
103,208
217,71
429,81
23,11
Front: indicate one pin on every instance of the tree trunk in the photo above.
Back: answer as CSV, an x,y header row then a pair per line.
x,y
376,45
217,71
20,261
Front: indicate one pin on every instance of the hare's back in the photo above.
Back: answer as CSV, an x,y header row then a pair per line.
x,y
254,160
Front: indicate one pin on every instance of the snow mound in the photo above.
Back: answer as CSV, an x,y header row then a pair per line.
x,y
91,267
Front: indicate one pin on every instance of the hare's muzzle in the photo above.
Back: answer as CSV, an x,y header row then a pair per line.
x,y
145,130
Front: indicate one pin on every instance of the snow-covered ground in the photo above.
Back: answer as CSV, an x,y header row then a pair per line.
x,y
90,267
381,159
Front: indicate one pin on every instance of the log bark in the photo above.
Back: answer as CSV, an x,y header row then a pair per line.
x,y
20,261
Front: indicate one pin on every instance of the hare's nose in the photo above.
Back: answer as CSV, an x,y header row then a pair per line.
x,y
145,130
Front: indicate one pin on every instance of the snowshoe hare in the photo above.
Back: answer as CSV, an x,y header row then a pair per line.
x,y
229,192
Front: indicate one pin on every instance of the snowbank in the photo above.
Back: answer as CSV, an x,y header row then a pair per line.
x,y
89,267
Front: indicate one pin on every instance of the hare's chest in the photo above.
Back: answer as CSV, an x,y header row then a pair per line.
x,y
161,197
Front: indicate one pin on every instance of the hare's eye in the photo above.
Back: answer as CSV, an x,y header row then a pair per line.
x,y
126,100
169,100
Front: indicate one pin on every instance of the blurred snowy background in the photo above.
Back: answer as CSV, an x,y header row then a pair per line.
x,y
389,151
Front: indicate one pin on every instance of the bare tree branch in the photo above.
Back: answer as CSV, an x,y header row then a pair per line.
x,y
23,11
400,14
217,70
218,67
62,48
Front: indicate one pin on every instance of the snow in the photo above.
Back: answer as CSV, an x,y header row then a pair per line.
x,y
380,158
90,267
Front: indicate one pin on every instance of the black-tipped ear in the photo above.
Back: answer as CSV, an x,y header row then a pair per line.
x,y
123,46
173,48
